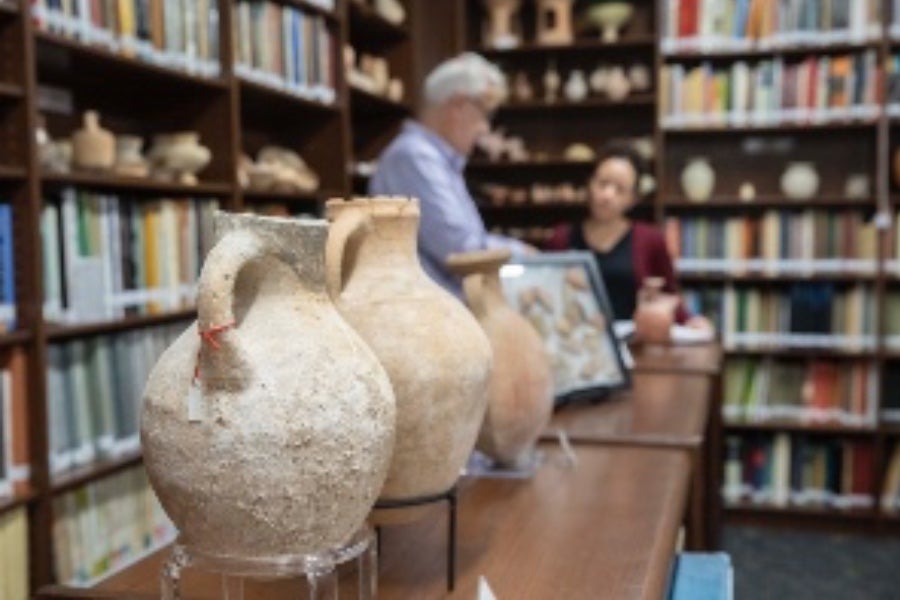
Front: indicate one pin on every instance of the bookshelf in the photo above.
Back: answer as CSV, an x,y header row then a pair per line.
x,y
551,124
241,98
753,142
856,134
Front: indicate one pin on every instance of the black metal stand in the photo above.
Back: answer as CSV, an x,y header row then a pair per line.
x,y
450,498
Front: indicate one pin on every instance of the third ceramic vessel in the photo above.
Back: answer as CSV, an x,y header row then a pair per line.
x,y
434,351
521,391
279,442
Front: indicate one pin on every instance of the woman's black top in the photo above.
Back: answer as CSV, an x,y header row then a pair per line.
x,y
616,269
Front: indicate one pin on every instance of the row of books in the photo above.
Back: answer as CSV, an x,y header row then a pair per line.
x,y
94,389
740,25
14,554
7,270
785,470
890,493
776,241
804,315
106,525
181,34
760,390
774,91
287,48
15,468
106,256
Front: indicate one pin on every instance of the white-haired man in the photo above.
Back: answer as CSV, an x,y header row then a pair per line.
x,y
427,159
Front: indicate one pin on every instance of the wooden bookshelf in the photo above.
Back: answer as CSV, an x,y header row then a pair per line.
x,y
144,186
766,202
15,338
787,352
14,501
80,476
794,426
58,333
773,128
529,166
368,103
369,29
11,91
786,50
634,101
580,46
71,61
8,9
749,509
9,173
292,198
693,277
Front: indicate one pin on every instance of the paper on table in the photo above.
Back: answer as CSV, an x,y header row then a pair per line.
x,y
484,590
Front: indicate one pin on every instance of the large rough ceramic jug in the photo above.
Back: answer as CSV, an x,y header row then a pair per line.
x,y
434,351
288,445
521,392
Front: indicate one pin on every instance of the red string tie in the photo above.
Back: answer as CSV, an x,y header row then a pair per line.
x,y
208,336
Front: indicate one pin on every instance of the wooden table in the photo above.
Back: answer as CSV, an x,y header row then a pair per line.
x,y
662,410
702,359
605,528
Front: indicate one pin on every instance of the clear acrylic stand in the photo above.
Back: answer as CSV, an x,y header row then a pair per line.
x,y
318,569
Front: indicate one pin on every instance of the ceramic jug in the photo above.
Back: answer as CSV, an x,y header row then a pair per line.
x,y
267,426
655,312
520,401
434,351
93,146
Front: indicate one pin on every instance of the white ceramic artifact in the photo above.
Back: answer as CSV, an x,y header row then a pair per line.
x,y
285,447
800,181
698,180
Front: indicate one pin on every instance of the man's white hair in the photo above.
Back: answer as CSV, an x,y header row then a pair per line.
x,y
468,75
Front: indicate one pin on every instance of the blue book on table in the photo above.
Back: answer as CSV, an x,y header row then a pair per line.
x,y
699,576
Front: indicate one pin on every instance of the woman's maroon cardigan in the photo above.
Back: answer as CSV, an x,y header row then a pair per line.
x,y
651,258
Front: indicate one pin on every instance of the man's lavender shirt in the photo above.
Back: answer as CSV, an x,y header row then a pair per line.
x,y
421,164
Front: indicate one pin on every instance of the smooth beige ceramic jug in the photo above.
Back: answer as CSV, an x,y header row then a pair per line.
x,y
287,448
521,392
438,359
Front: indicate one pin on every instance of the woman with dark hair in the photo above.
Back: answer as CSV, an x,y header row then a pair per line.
x,y
627,252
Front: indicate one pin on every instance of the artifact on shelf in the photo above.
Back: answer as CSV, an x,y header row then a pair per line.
x,y
609,17
497,146
93,148
646,185
521,88
800,181
248,459
644,146
576,88
391,10
395,89
639,77
554,22
434,351
579,152
552,82
281,170
503,29
597,79
857,186
655,312
747,192
698,180
520,394
178,157
617,84
129,160
54,156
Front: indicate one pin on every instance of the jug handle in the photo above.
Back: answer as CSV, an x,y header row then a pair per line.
x,y
473,288
347,225
215,289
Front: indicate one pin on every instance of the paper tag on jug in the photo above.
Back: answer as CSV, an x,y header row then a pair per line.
x,y
196,405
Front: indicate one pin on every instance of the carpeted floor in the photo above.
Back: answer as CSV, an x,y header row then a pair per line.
x,y
797,565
